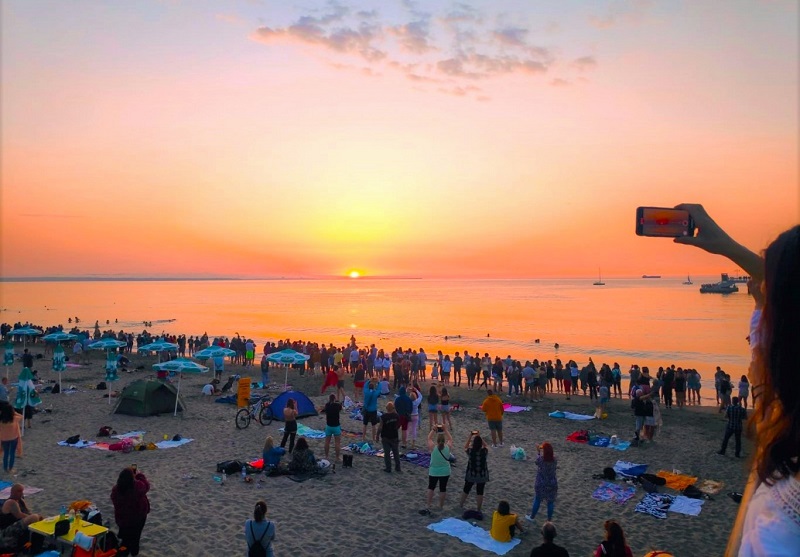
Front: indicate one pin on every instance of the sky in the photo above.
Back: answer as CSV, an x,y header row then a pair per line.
x,y
498,138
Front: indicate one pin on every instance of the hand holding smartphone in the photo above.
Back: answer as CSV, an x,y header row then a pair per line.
x,y
663,222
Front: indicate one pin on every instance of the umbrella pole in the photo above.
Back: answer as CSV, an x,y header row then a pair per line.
x,y
60,386
24,409
177,394
109,392
286,378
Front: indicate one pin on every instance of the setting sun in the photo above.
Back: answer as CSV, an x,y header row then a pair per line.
x,y
354,274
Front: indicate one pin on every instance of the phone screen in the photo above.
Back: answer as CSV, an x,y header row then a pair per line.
x,y
663,222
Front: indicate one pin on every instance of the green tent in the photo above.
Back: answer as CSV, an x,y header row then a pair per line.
x,y
148,398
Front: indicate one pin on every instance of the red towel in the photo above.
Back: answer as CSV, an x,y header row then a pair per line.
x,y
331,380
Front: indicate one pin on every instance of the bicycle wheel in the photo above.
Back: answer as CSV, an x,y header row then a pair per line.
x,y
265,416
242,418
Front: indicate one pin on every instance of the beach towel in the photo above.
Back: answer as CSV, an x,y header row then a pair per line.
x,y
331,380
678,482
79,445
711,487
231,399
172,444
570,416
468,533
687,505
309,433
514,409
629,469
581,436
605,442
361,448
417,458
608,491
129,435
655,504
5,493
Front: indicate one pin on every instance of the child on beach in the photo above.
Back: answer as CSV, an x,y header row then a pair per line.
x,y
602,402
434,372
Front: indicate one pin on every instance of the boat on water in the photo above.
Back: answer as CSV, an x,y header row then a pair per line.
x,y
599,281
651,276
688,280
724,286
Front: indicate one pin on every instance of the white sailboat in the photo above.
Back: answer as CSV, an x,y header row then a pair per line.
x,y
688,280
599,281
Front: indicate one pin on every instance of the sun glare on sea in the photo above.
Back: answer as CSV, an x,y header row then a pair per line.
x,y
354,274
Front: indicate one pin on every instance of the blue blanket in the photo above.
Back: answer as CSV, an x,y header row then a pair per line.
x,y
570,416
600,441
629,469
468,533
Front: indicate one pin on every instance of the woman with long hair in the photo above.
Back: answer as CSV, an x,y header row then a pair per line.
x,y
259,530
271,455
767,523
614,545
439,469
477,468
9,435
546,485
444,408
131,507
303,459
290,424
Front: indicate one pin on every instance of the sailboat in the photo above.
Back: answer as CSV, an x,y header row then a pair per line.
x,y
599,281
688,280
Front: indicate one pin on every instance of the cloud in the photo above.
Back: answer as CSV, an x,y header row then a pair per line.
x,y
452,49
622,11
558,82
584,63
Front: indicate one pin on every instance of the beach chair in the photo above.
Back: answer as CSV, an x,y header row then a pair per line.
x,y
87,546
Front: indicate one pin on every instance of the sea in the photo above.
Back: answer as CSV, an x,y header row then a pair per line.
x,y
653,322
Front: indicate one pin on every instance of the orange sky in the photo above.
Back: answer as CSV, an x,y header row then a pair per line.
x,y
486,139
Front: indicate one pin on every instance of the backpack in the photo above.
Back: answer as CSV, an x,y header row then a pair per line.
x,y
257,549
105,431
56,389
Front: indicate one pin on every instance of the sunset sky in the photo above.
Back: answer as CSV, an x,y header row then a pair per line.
x,y
497,138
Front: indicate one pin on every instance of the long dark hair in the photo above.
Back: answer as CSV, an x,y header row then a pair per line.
x,y
6,413
615,539
301,445
777,417
260,511
476,454
125,480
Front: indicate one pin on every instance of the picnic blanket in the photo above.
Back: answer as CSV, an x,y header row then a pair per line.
x,y
608,491
422,459
655,504
468,533
172,444
5,490
79,445
629,469
711,487
310,433
570,416
129,435
687,505
678,482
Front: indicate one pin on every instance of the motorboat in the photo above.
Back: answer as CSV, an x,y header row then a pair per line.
x,y
724,286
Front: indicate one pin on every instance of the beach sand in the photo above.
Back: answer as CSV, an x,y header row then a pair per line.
x,y
362,510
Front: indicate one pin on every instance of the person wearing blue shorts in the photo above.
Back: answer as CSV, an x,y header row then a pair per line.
x,y
333,426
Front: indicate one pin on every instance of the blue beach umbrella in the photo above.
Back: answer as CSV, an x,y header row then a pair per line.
x,y
180,366
25,332
288,357
158,347
26,394
8,355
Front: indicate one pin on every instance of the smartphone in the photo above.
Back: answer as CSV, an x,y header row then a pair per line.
x,y
662,222
474,432
439,428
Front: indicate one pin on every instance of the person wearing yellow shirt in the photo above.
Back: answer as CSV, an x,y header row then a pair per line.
x,y
493,408
504,523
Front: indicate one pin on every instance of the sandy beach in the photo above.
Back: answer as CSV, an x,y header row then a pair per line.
x,y
361,510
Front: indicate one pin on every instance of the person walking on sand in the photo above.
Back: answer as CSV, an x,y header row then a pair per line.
x,y
259,530
439,469
548,548
131,507
546,485
370,408
477,473
388,432
333,425
492,406
736,415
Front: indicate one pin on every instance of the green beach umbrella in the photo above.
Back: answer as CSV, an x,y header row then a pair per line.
x,y
287,357
158,347
8,355
26,394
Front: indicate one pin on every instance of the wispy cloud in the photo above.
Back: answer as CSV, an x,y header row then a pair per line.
x,y
453,49
621,11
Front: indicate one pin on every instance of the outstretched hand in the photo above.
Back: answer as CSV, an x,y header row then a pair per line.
x,y
710,236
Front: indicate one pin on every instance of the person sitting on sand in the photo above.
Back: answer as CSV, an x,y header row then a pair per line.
x,y
303,459
271,455
614,545
504,523
15,518
210,389
548,548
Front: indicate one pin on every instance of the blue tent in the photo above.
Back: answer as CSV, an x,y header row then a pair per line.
x,y
304,405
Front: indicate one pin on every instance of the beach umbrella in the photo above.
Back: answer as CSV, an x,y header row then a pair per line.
x,y
158,347
213,352
109,344
8,355
180,366
25,332
26,394
288,357
59,337
59,358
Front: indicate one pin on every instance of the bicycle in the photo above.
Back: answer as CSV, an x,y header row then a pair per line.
x,y
259,410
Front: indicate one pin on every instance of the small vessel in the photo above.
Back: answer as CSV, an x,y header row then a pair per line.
x,y
599,281
688,280
724,286
651,276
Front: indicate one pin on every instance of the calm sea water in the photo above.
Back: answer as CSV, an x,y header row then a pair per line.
x,y
649,322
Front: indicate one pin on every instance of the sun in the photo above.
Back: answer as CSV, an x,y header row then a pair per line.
x,y
354,274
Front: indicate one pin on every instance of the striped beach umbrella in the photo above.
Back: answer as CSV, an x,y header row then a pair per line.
x,y
26,394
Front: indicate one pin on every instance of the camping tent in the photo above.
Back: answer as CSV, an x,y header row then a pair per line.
x,y
147,398
305,407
